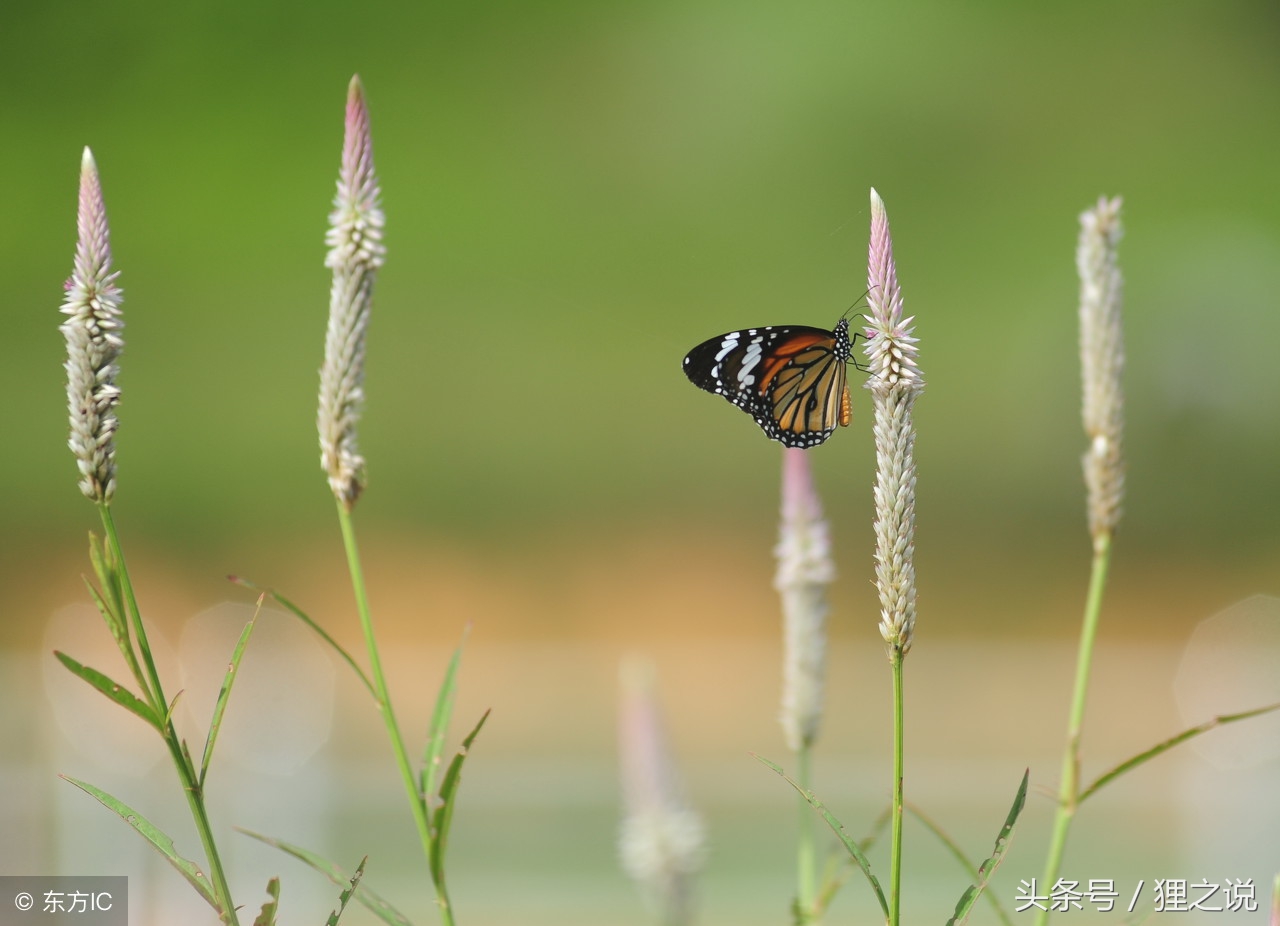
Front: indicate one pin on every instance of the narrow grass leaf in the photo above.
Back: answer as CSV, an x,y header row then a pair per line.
x,y
306,619
443,815
109,599
440,722
367,897
186,757
168,715
958,854
108,577
268,915
119,628
115,623
113,690
345,896
154,835
838,828
988,868
220,706
1168,744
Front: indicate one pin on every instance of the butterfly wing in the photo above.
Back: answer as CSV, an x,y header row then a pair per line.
x,y
790,379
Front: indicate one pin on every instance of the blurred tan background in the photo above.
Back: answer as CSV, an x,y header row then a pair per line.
x,y
576,194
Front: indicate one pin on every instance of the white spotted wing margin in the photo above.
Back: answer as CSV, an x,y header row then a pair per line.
x,y
790,379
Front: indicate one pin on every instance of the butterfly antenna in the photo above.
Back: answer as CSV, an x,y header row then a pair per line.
x,y
860,299
854,335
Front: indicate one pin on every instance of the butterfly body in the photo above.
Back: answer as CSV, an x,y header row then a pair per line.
x,y
790,379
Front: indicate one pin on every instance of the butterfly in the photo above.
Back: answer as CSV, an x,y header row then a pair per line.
x,y
790,379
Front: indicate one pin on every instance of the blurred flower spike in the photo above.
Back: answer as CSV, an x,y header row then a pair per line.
x,y
1102,363
895,382
92,331
662,840
355,253
805,569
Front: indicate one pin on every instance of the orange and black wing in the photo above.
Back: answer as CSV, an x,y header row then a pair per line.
x,y
791,380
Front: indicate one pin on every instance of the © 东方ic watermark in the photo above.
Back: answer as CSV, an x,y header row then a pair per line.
x,y
93,900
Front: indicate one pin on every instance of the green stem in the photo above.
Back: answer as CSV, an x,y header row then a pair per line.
x,y
417,801
805,883
151,687
155,692
895,864
1069,789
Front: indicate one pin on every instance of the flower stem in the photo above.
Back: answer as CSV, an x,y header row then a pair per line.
x,y
417,801
895,864
1069,789
154,692
806,889
151,681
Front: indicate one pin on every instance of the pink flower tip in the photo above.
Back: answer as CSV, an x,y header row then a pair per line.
x,y
799,498
357,109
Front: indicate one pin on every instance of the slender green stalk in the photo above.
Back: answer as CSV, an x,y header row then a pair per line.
x,y
895,382
151,687
806,866
1069,789
1102,412
417,801
154,691
93,332
895,863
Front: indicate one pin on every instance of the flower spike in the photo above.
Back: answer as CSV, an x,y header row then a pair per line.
x,y
92,331
355,254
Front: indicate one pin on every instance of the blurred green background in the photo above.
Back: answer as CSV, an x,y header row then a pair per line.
x,y
576,193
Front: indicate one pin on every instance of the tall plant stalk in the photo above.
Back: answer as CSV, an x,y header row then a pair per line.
x,y
806,851
805,570
188,776
1069,787
895,382
382,697
356,253
1102,365
94,344
662,839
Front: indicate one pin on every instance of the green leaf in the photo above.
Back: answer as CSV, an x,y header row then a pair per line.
x,y
988,868
173,706
366,895
958,854
186,757
303,616
116,692
1168,744
115,623
109,599
104,567
152,834
268,915
220,706
109,594
442,818
439,727
838,828
345,896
